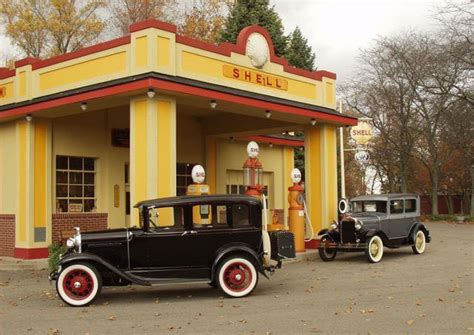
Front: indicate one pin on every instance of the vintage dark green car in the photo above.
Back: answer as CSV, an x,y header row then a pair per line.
x,y
371,222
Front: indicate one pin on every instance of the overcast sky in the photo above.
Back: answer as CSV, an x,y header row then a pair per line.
x,y
337,29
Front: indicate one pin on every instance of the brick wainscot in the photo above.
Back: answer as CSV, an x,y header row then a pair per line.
x,y
7,235
63,222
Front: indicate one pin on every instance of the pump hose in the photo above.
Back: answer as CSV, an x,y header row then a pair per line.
x,y
309,221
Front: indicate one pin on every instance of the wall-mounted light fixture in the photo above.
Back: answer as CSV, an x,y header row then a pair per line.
x,y
313,122
268,114
29,118
213,104
270,145
84,106
151,93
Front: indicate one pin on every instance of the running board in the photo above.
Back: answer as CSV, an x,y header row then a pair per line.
x,y
165,281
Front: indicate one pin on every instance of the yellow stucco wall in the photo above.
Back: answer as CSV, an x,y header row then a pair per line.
x,y
8,168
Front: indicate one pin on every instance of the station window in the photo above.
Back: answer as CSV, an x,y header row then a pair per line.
x,y
396,206
183,177
75,184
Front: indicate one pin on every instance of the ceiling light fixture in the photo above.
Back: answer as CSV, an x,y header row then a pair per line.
x,y
268,114
213,104
151,93
270,145
313,122
29,118
84,106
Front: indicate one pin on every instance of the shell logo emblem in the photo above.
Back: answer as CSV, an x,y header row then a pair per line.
x,y
257,50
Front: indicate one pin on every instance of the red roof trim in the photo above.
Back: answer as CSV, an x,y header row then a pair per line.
x,y
83,52
6,73
275,140
152,23
180,88
227,48
26,61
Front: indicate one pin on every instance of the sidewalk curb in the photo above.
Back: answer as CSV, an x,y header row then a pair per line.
x,y
15,264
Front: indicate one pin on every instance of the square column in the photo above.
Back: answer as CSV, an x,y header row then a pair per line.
x,y
33,210
321,175
152,150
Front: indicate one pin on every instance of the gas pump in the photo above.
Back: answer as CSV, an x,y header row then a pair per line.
x,y
253,171
297,210
201,214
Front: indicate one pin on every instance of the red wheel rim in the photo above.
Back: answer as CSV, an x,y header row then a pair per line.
x,y
78,284
237,276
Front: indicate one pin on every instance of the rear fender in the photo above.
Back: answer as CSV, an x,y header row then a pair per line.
x,y
237,249
415,228
96,260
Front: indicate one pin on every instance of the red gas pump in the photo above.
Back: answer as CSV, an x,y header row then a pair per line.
x,y
253,171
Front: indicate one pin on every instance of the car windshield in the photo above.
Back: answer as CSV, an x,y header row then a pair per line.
x,y
369,206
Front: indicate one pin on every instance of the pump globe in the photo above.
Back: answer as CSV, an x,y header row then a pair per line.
x,y
252,149
295,175
198,174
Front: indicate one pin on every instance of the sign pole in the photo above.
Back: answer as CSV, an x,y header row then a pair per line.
x,y
341,152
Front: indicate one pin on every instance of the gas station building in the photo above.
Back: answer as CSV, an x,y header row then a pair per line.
x,y
86,135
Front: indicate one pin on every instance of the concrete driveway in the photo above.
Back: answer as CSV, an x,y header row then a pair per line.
x,y
405,293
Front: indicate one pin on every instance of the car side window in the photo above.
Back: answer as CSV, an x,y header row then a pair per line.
x,y
410,205
396,206
210,216
240,216
166,218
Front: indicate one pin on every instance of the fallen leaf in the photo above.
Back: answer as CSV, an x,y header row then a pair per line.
x,y
243,321
440,299
410,322
471,302
53,331
112,318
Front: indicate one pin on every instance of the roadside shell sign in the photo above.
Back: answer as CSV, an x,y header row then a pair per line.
x,y
362,133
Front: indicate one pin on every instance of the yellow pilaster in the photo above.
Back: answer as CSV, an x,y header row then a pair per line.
x,y
288,164
321,175
152,150
24,80
211,161
34,184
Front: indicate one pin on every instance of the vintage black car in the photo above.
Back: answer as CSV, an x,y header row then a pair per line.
x,y
371,222
218,240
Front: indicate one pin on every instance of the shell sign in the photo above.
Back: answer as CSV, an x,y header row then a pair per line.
x,y
362,133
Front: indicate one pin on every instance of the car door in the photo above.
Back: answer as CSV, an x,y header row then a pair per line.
x,y
163,251
397,219
230,224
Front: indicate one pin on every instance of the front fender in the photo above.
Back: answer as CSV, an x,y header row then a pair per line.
x,y
221,254
94,259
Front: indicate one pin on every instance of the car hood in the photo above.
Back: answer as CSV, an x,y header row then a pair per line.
x,y
367,217
104,235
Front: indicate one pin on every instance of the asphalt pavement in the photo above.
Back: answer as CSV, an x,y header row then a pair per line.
x,y
405,293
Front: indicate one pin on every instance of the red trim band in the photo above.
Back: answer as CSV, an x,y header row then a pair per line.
x,y
26,61
34,253
180,88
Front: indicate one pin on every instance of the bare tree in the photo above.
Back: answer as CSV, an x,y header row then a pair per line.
x,y
125,12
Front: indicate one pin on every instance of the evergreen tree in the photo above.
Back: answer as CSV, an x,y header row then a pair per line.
x,y
249,12
298,52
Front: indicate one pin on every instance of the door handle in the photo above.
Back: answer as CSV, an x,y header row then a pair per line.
x,y
190,232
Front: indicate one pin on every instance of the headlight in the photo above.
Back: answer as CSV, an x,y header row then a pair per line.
x,y
358,224
70,243
334,225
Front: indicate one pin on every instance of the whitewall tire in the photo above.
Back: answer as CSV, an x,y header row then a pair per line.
x,y
79,284
237,277
420,242
374,249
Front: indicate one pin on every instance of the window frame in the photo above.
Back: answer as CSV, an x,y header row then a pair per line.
x,y
83,171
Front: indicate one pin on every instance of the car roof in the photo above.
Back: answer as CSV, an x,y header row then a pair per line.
x,y
384,197
199,199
